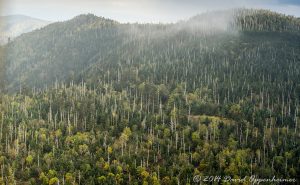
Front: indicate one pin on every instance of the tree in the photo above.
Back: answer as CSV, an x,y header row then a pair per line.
x,y
102,180
54,181
43,178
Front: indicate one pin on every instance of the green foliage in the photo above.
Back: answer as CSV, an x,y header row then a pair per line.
x,y
151,104
53,181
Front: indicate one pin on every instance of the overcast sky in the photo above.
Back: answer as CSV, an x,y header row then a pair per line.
x,y
137,10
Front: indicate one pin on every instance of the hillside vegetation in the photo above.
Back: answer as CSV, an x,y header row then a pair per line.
x,y
94,101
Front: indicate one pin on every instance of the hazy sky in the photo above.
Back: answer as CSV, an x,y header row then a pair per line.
x,y
137,10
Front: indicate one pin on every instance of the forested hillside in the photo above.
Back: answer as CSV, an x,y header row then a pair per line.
x,y
94,101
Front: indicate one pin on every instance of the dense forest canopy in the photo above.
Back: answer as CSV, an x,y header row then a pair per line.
x,y
94,101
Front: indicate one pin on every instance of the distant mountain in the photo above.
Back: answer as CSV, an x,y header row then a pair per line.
x,y
88,47
14,25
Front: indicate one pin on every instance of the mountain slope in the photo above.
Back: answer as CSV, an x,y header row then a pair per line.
x,y
14,25
218,94
70,50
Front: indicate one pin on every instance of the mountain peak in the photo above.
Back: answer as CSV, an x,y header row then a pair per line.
x,y
243,19
91,18
264,20
87,16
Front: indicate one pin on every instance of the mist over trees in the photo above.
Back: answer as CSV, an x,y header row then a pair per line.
x,y
94,101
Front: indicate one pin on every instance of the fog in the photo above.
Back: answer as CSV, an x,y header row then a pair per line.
x,y
217,21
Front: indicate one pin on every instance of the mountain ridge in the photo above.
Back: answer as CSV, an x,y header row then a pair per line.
x,y
70,47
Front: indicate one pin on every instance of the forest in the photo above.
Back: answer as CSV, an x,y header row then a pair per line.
x,y
94,101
